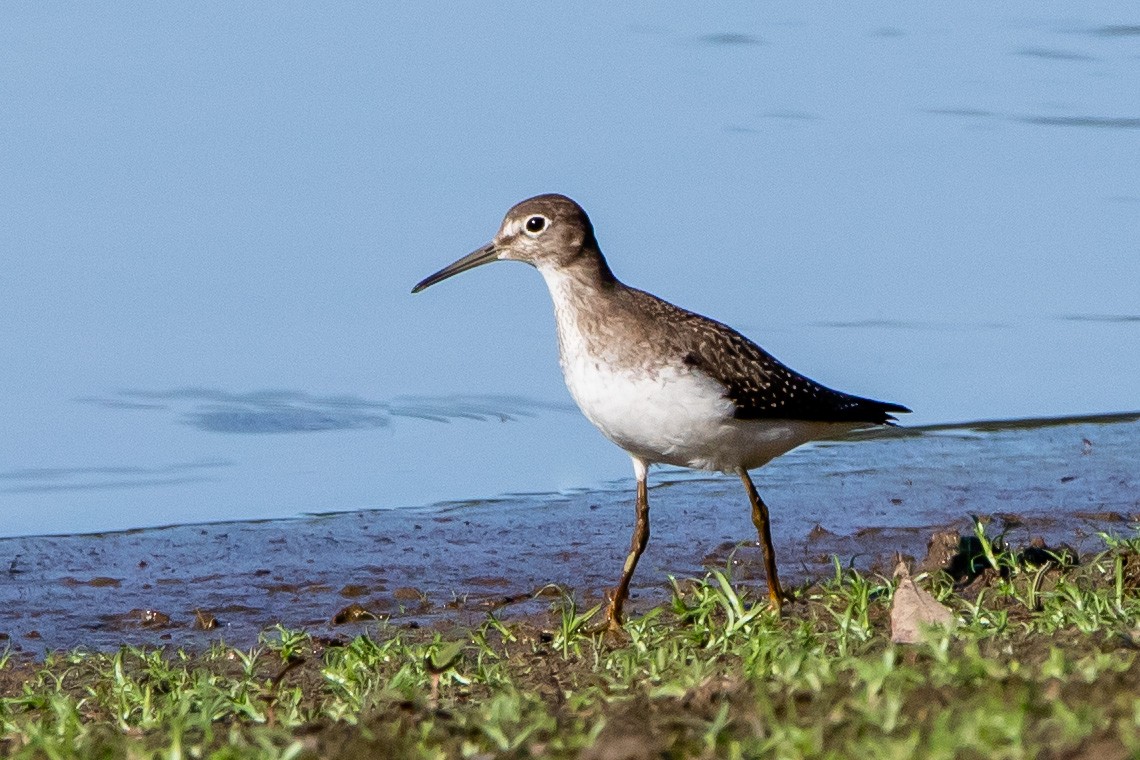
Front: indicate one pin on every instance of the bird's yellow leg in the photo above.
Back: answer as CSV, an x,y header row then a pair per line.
x,y
760,519
636,546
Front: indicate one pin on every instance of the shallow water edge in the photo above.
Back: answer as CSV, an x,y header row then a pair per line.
x,y
1063,480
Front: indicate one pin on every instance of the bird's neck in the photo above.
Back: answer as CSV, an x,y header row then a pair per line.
x,y
586,276
586,298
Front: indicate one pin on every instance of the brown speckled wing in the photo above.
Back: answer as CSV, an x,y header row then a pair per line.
x,y
759,385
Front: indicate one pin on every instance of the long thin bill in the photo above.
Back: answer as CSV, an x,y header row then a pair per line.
x,y
478,257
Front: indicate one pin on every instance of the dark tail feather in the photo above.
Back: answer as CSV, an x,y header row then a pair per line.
x,y
881,412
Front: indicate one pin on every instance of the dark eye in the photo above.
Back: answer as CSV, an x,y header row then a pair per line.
x,y
536,224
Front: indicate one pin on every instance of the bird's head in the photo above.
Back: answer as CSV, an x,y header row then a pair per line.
x,y
543,231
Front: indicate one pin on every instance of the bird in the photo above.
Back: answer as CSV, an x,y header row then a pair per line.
x,y
667,385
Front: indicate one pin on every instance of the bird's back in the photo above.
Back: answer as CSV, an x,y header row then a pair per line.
x,y
759,385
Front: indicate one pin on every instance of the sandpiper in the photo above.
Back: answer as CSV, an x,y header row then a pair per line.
x,y
665,384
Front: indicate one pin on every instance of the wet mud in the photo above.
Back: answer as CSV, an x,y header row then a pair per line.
x,y
855,502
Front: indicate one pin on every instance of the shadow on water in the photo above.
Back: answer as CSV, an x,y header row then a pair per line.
x,y
1062,479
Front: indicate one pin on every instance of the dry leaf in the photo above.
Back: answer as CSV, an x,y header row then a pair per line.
x,y
914,609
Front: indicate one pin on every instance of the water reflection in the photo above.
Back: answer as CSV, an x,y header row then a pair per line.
x,y
1122,30
901,324
730,39
282,411
966,112
793,115
1027,423
1103,318
48,479
1053,54
1102,122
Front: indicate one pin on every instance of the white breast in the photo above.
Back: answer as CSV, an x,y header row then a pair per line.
x,y
664,411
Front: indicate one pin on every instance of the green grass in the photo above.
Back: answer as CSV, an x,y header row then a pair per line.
x,y
1044,663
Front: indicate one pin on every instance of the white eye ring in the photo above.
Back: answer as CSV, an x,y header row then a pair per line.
x,y
536,225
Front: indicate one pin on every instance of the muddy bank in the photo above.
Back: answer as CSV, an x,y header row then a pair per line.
x,y
860,501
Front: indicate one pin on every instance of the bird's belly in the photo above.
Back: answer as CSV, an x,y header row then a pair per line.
x,y
679,417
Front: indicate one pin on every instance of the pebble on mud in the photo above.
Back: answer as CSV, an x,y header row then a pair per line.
x,y
204,621
148,618
941,551
408,594
819,532
97,582
353,613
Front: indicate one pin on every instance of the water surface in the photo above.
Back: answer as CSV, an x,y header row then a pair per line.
x,y
210,220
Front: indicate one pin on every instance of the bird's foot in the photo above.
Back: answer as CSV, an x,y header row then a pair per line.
x,y
777,598
611,626
610,630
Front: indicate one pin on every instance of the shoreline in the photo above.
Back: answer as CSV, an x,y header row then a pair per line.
x,y
450,564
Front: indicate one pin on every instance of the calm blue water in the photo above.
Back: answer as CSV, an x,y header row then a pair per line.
x,y
211,216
